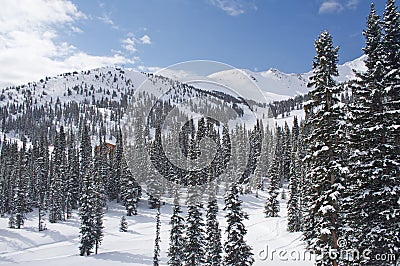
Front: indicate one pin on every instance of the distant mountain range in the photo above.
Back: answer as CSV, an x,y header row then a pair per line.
x,y
274,84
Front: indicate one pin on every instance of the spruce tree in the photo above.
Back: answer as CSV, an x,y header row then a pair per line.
x,y
237,251
286,152
271,208
57,191
213,247
123,225
129,190
41,171
195,235
86,213
324,151
157,240
372,185
98,203
85,154
390,187
176,253
20,193
293,204
194,242
11,221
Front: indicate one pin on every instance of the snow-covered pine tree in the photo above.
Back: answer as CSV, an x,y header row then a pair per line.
x,y
373,183
20,193
286,152
237,251
293,205
56,212
85,153
154,184
195,235
98,203
195,238
41,171
387,235
87,209
213,247
271,208
364,137
176,252
123,225
11,221
2,197
114,186
72,179
87,213
157,240
261,170
129,190
325,145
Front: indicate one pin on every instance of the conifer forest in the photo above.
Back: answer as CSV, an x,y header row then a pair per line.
x,y
114,166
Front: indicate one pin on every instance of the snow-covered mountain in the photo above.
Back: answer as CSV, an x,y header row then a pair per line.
x,y
277,85
274,84
108,81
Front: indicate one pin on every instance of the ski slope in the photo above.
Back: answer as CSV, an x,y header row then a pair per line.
x,y
59,244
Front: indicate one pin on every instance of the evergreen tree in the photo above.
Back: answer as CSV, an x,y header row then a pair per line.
x,y
86,213
293,205
157,239
176,252
237,252
114,187
41,170
286,152
20,193
213,235
324,151
261,170
129,191
11,221
123,226
371,191
194,242
85,154
272,204
388,225
57,191
98,203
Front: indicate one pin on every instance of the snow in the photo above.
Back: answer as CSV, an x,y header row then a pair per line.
x,y
59,244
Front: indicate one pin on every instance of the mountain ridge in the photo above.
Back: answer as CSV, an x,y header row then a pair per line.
x,y
274,84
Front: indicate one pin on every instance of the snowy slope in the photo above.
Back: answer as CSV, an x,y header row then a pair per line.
x,y
66,86
59,244
278,85
274,84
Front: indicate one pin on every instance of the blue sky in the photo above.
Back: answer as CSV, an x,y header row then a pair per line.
x,y
145,34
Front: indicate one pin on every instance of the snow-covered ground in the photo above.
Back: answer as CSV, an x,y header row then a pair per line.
x,y
59,244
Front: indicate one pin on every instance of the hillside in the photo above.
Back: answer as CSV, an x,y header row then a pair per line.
x,y
59,244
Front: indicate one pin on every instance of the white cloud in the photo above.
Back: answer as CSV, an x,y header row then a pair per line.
x,y
76,29
330,7
129,44
335,6
151,69
107,20
29,48
234,7
352,4
145,39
